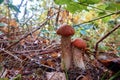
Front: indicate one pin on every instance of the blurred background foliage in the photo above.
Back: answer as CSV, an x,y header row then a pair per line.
x,y
91,19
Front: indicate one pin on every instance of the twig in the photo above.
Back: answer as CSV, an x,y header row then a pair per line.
x,y
27,21
52,76
42,66
8,52
3,72
80,76
57,18
118,12
105,36
19,6
39,52
30,32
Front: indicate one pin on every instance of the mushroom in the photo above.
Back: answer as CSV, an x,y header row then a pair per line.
x,y
78,49
66,31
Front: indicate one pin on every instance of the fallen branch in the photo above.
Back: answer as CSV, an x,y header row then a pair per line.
x,y
105,36
118,12
38,52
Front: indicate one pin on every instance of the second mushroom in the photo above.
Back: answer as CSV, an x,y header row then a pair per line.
x,y
78,49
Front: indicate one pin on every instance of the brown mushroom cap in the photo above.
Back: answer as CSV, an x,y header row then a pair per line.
x,y
65,30
79,43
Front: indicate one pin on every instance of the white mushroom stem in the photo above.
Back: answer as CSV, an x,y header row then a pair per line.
x,y
66,52
78,58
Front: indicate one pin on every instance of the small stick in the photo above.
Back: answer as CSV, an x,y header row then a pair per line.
x,y
8,52
57,18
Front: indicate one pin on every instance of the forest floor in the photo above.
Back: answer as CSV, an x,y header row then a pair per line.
x,y
40,58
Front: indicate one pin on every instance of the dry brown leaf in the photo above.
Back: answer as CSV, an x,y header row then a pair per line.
x,y
54,55
43,62
4,19
23,57
46,41
50,63
76,19
13,23
1,58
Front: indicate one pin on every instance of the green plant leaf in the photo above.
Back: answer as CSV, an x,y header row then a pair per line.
x,y
4,79
118,54
44,31
102,6
13,7
114,76
73,7
89,1
118,48
118,51
1,1
112,6
18,77
61,2
103,47
103,9
106,19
